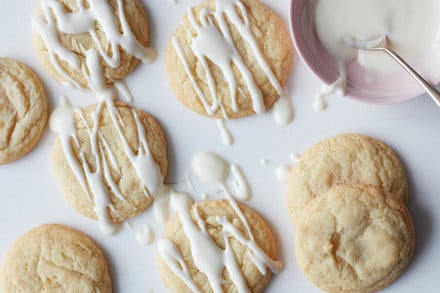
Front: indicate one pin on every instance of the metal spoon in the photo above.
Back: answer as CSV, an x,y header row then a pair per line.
x,y
381,44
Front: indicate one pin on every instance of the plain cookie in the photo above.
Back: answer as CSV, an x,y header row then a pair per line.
x,y
343,159
23,110
208,211
354,238
138,23
54,258
125,178
272,39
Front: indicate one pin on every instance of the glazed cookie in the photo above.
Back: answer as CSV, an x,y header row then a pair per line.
x,y
349,158
54,258
23,110
216,246
229,58
111,168
354,238
64,30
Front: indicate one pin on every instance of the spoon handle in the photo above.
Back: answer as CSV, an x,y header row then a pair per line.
x,y
432,92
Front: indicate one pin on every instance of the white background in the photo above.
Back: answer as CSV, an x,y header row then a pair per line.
x,y
30,196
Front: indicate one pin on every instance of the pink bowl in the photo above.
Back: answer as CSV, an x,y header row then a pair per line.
x,y
361,84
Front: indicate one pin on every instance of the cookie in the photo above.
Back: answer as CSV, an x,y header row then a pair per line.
x,y
23,110
64,30
349,158
354,238
229,59
111,168
200,250
54,258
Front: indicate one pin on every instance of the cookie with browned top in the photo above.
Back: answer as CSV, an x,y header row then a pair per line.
x,y
23,110
348,158
354,238
54,258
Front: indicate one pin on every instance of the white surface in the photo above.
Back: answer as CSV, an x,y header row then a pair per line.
x,y
30,195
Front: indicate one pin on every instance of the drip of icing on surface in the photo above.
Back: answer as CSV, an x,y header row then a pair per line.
x,y
294,157
337,88
210,167
213,169
283,172
145,236
283,111
239,183
56,19
227,138
210,259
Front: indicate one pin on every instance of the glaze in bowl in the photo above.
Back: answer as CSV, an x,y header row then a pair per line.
x,y
362,85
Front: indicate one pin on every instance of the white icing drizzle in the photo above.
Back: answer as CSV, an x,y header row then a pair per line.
x,y
172,257
224,132
239,183
213,41
94,183
56,19
210,259
210,167
213,169
338,88
145,236
283,172
283,111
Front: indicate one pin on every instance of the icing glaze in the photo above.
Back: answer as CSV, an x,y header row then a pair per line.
x,y
209,258
94,183
145,236
213,41
227,138
55,20
411,27
213,169
283,172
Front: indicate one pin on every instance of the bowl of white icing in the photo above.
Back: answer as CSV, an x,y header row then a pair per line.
x,y
320,28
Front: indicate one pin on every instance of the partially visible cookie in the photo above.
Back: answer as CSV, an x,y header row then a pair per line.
x,y
74,37
348,158
23,110
209,213
251,53
126,193
54,258
354,238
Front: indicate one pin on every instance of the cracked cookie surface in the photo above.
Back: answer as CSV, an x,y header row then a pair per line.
x,y
209,211
55,258
354,238
344,159
23,110
272,39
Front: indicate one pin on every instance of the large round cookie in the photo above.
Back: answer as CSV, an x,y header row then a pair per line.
x,y
354,238
75,43
125,178
349,158
54,258
273,42
209,212
23,110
